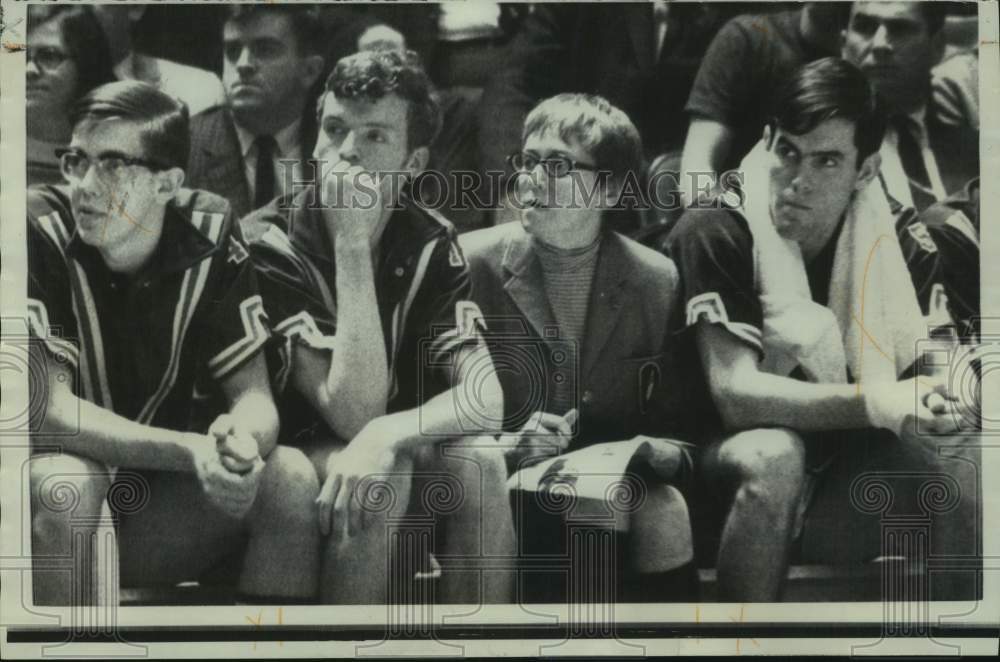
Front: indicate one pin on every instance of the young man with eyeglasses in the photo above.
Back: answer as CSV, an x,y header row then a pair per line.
x,y
148,323
388,381
580,316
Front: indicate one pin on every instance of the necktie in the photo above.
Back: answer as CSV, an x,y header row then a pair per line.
x,y
913,161
264,181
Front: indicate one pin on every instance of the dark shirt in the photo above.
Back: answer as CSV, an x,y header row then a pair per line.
x,y
714,253
743,70
946,237
422,286
152,347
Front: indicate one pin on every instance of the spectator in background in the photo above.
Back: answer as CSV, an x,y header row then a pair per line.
x,y
897,44
197,88
67,57
642,57
955,85
946,235
272,62
743,70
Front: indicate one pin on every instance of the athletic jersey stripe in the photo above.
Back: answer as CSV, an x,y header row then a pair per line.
x,y
255,336
92,366
38,319
302,325
280,242
190,293
399,323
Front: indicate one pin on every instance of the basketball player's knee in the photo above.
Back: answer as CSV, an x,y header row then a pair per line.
x,y
67,491
289,486
769,464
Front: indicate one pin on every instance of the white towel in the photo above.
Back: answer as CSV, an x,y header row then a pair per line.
x,y
872,323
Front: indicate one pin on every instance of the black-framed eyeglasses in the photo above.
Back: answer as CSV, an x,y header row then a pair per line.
x,y
75,164
46,58
554,166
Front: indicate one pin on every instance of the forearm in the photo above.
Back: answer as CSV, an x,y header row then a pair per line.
x,y
772,400
358,381
85,429
705,151
448,415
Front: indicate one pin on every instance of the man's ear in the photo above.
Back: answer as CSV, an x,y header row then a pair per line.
x,y
168,183
418,160
868,171
843,42
768,136
312,69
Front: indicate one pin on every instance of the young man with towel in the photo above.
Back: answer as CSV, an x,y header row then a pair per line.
x,y
808,328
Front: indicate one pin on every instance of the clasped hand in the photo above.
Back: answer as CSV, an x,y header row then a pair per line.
x,y
228,465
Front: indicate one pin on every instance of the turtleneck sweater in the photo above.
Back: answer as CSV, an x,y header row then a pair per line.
x,y
568,274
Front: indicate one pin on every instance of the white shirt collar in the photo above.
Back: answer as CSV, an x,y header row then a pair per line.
x,y
287,139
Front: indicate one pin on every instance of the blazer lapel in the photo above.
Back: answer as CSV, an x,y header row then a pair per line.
x,y
225,165
526,284
607,295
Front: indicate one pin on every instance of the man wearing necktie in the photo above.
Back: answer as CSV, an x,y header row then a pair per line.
x,y
272,60
896,44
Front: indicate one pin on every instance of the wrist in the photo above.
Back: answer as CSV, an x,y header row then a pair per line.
x,y
389,432
193,446
882,409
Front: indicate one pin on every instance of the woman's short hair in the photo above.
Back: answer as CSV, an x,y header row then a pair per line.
x,y
85,43
603,130
826,89
166,134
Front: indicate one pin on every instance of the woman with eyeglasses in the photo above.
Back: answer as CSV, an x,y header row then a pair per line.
x,y
578,319
67,57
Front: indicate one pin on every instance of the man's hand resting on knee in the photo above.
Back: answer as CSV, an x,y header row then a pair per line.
x,y
351,476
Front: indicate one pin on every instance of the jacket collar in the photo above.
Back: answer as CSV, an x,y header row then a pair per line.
x,y
181,245
526,286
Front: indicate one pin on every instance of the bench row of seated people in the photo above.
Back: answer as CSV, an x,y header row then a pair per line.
x,y
699,87
291,388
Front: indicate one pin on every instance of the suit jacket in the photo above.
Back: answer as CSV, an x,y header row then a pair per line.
x,y
599,48
956,150
216,160
623,367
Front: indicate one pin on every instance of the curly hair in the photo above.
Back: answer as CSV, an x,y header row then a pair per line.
x,y
371,75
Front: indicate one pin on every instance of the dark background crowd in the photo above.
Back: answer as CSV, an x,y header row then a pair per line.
x,y
696,78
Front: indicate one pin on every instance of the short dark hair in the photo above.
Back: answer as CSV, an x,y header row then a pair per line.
x,y
373,74
166,134
85,42
305,21
829,88
602,129
935,13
